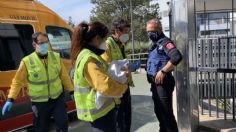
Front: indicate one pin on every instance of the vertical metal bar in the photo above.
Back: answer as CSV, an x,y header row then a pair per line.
x,y
210,52
217,88
233,95
225,96
233,34
205,90
227,24
205,53
205,18
202,53
209,93
219,55
228,53
213,52
226,46
232,17
201,93
233,52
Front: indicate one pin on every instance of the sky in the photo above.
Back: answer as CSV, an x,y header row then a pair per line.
x,y
79,10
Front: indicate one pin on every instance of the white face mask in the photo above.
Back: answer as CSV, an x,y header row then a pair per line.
x,y
124,38
102,46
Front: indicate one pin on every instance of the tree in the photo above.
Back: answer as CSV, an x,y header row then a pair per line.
x,y
105,10
70,22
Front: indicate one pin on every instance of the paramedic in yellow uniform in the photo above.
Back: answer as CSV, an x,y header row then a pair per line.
x,y
91,79
46,78
115,50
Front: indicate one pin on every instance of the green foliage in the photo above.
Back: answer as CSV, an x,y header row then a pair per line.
x,y
139,47
70,22
105,10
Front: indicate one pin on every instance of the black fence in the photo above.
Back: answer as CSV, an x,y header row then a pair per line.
x,y
216,69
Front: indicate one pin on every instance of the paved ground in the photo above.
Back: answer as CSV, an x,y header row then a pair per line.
x,y
143,119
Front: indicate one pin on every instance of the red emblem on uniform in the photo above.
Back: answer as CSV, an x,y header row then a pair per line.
x,y
170,46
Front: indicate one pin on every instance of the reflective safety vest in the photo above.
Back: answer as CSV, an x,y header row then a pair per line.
x,y
43,80
157,57
116,53
84,94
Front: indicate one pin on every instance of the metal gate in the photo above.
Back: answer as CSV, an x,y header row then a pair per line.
x,y
216,68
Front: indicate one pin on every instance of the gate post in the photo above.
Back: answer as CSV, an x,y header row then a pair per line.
x,y
184,35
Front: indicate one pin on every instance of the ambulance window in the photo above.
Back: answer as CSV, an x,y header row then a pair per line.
x,y
60,39
15,43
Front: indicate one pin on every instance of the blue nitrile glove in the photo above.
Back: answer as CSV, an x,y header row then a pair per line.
x,y
134,66
72,96
7,106
138,64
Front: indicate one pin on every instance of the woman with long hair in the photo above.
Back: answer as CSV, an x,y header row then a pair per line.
x,y
90,78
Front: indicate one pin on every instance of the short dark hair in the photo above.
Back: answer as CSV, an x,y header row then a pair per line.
x,y
36,34
119,24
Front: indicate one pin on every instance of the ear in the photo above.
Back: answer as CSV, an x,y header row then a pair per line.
x,y
117,33
34,45
97,37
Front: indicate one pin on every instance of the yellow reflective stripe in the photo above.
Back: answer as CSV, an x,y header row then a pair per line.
x,y
96,111
46,97
43,82
82,90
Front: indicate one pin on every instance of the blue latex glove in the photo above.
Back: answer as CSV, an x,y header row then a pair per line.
x,y
134,66
138,64
7,106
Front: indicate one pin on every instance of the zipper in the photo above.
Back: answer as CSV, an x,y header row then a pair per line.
x,y
46,68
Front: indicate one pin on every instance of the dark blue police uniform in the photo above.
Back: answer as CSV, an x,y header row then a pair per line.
x,y
162,51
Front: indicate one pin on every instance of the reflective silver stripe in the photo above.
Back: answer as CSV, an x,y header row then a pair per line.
x,y
82,90
95,111
43,82
46,97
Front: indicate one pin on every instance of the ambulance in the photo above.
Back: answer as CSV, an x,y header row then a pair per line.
x,y
19,19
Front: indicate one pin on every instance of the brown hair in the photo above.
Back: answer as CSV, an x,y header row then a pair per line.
x,y
35,36
83,34
119,24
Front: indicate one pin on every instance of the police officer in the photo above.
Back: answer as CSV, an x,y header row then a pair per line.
x,y
115,50
45,75
91,78
163,56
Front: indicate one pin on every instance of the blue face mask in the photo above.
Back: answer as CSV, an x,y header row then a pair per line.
x,y
153,36
42,49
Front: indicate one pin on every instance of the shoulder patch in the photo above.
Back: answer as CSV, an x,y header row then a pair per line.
x,y
170,46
